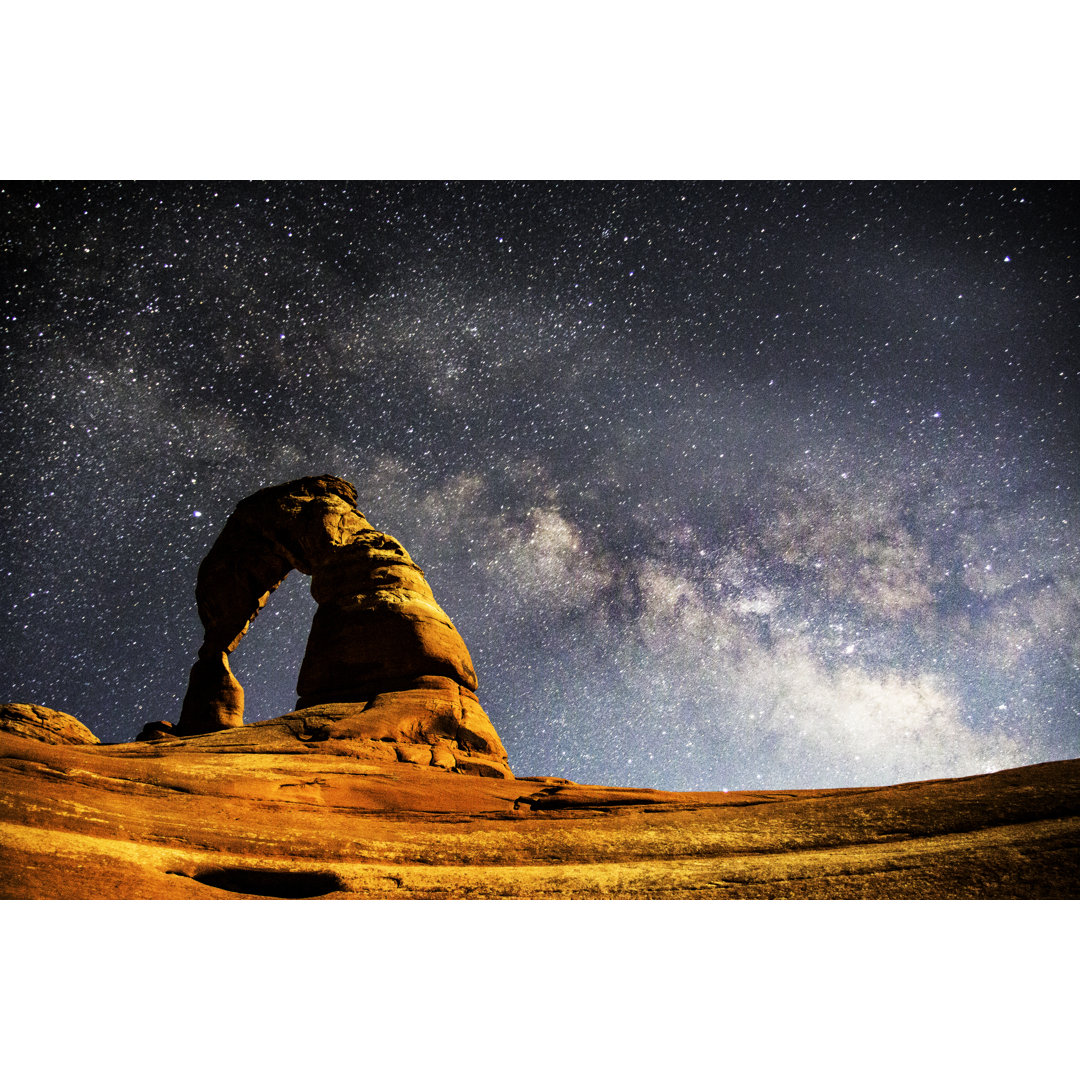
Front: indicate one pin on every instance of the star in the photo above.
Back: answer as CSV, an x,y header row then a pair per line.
x,y
663,451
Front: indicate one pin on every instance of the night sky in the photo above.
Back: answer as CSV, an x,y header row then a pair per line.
x,y
725,485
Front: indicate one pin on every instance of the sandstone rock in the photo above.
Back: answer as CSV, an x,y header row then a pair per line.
x,y
414,755
206,817
435,722
44,725
442,757
159,729
214,698
378,640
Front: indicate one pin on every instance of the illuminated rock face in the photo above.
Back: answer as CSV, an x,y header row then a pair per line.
x,y
44,725
379,639
277,810
377,624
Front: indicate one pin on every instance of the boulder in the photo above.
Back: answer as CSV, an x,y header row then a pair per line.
x,y
159,729
44,725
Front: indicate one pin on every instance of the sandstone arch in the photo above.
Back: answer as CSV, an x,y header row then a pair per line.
x,y
378,637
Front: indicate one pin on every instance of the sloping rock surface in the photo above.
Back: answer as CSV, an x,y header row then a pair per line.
x,y
434,721
285,815
45,725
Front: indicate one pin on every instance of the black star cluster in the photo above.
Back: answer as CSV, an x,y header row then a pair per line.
x,y
725,484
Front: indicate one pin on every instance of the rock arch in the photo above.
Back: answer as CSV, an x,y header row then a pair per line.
x,y
378,634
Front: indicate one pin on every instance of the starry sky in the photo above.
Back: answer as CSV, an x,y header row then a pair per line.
x,y
725,485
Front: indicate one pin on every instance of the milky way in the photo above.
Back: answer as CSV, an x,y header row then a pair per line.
x,y
724,485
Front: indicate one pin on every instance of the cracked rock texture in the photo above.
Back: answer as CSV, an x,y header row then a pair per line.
x,y
290,809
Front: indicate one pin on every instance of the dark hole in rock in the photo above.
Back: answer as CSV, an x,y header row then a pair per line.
x,y
284,884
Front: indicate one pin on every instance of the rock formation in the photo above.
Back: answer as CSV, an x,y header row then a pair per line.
x,y
218,817
379,642
358,793
44,725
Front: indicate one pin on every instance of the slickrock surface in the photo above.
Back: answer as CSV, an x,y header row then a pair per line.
x,y
269,811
